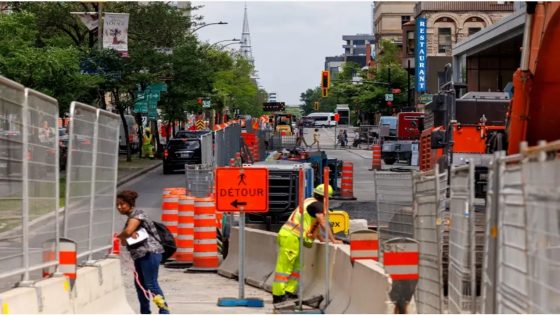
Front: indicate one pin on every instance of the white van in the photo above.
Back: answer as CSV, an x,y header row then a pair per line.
x,y
323,119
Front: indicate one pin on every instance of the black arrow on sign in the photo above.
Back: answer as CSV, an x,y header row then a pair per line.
x,y
236,203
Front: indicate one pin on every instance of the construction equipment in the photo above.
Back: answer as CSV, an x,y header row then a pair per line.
x,y
282,124
533,114
400,146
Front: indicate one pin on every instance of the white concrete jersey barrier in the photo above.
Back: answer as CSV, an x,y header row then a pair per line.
x,y
97,289
362,287
229,267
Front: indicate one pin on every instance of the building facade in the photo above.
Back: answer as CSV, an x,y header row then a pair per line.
x,y
448,23
389,18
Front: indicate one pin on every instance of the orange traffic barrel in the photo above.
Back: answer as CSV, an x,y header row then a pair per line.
x,y
375,157
170,212
401,258
205,254
364,244
185,230
347,182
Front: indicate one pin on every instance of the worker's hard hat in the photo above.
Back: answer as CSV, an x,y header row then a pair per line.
x,y
147,129
320,190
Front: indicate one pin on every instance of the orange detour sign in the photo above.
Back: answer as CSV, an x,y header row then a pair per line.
x,y
242,189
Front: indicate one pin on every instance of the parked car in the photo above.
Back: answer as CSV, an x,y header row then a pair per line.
x,y
179,152
191,134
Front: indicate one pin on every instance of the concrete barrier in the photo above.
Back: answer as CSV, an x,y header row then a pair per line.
x,y
229,267
21,300
99,289
341,282
314,269
370,287
260,256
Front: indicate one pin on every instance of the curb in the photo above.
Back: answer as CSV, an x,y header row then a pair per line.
x,y
137,174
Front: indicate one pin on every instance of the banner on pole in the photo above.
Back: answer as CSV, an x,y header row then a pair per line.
x,y
90,19
115,32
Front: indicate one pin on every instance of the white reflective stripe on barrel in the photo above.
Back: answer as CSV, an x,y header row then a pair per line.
x,y
205,229
206,241
363,253
186,213
185,250
185,237
401,247
185,225
205,254
204,204
401,269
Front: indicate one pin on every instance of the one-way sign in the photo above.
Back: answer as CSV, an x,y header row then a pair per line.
x,y
242,189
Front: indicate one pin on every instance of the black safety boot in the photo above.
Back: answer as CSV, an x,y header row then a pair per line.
x,y
291,296
278,298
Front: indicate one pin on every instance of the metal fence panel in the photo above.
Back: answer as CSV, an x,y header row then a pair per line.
x,y
394,205
207,149
460,248
91,179
106,167
29,175
200,180
542,196
429,195
512,286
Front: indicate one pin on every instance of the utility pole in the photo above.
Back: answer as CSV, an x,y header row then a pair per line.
x,y
408,90
100,25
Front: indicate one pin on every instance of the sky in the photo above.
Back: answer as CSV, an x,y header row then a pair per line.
x,y
289,39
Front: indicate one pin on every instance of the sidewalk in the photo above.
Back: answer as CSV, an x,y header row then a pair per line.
x,y
130,170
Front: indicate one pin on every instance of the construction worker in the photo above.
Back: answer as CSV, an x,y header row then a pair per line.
x,y
147,147
286,276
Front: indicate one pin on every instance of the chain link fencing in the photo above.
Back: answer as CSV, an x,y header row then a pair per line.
x,y
91,180
207,149
29,178
200,180
393,193
227,142
429,202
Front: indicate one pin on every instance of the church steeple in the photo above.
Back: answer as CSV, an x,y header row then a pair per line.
x,y
246,39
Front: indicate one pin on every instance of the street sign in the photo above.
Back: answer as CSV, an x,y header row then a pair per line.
x,y
388,97
425,98
395,91
242,189
200,124
141,107
206,103
160,87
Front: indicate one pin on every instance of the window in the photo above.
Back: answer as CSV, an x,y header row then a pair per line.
x,y
410,43
359,42
444,40
405,19
473,30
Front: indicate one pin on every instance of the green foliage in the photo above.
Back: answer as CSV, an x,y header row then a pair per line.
x,y
366,97
51,70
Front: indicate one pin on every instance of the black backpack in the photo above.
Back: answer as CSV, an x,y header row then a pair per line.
x,y
166,240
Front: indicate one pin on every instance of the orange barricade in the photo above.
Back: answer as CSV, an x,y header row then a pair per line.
x,y
375,157
68,258
364,244
205,255
347,182
401,260
169,213
185,230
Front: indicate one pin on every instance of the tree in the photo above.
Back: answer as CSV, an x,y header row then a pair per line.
x,y
51,70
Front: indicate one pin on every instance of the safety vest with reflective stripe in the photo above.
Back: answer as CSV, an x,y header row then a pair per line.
x,y
309,223
147,139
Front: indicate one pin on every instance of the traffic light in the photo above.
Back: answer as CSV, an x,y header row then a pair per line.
x,y
316,105
325,83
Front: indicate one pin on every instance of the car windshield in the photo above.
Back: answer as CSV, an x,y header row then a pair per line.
x,y
389,121
187,144
190,134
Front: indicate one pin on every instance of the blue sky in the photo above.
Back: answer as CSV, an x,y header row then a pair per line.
x,y
290,39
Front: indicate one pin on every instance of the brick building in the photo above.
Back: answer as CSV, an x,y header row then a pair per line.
x,y
448,23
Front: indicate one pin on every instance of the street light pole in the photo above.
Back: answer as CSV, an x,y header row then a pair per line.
x,y
224,46
204,25
100,25
225,40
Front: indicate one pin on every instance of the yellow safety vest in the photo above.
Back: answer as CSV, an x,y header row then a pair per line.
x,y
310,223
147,139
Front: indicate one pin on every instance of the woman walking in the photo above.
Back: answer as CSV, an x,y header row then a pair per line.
x,y
140,237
